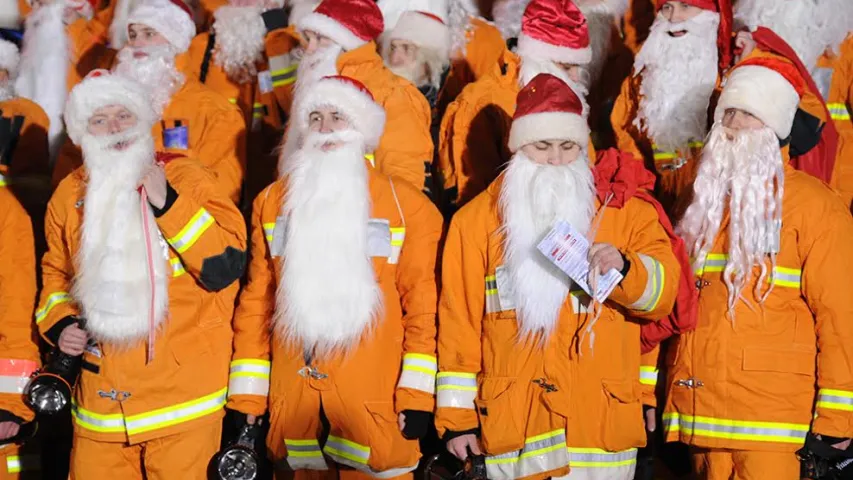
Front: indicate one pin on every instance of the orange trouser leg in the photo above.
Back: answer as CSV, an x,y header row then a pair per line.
x,y
94,459
184,455
335,472
20,463
718,464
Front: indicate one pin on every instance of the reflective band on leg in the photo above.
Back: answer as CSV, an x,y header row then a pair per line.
x,y
648,375
51,301
654,285
249,377
735,429
192,231
184,412
418,372
597,458
305,455
835,399
456,390
540,454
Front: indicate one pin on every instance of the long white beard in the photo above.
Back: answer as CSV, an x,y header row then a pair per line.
x,y
679,76
156,72
531,67
240,35
533,198
747,176
43,71
7,91
328,296
322,63
809,27
112,284
507,15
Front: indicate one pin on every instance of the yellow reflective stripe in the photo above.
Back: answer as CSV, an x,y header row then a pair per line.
x,y
398,234
787,277
341,447
269,228
54,299
176,414
835,399
648,375
696,144
192,231
250,367
533,446
420,363
838,111
177,267
655,283
303,448
258,110
736,429
714,262
598,458
232,101
370,158
95,421
284,76
2,180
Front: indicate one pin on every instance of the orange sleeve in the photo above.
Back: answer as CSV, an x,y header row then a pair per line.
x,y
623,115
418,290
249,380
485,48
405,150
460,316
649,376
20,355
448,181
222,149
280,45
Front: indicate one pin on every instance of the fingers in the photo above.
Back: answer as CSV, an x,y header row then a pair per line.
x,y
651,421
457,448
401,421
251,419
474,445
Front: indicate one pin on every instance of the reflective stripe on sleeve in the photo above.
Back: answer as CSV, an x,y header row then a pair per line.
x,y
305,454
258,110
540,454
19,463
648,301
835,399
177,267
597,458
398,236
714,262
51,301
14,374
284,76
838,111
418,372
493,304
787,277
192,231
176,414
648,375
456,389
249,377
269,228
735,429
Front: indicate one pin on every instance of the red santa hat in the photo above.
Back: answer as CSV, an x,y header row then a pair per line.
x,y
9,57
767,88
548,109
171,18
100,89
349,23
554,30
351,98
724,32
424,29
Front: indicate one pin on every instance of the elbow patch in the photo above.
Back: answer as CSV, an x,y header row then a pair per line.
x,y
221,270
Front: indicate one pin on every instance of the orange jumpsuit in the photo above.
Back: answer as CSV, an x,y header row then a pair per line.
x,y
573,401
20,353
167,412
391,370
746,390
28,171
88,41
834,78
199,123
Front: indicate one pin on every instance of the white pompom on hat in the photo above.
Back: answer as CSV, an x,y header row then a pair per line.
x,y
171,18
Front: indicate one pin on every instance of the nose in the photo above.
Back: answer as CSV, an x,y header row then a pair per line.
x,y
312,46
325,125
553,156
114,126
677,14
397,57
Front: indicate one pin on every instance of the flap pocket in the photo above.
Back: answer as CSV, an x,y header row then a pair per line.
x,y
501,415
387,448
621,390
791,359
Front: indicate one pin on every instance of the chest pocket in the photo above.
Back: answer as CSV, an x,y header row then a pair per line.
x,y
499,291
176,135
823,79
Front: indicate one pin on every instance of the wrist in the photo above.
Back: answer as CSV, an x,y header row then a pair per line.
x,y
171,198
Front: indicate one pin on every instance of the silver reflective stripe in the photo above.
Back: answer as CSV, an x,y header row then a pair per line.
x,y
52,300
305,455
355,455
648,375
648,301
542,453
835,399
248,386
456,389
398,236
95,422
418,372
174,415
198,224
597,458
493,305
735,429
787,277
13,384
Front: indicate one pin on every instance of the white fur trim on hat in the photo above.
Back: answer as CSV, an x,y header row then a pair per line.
x,y
364,114
548,126
9,57
329,27
762,92
423,31
96,92
299,9
168,19
531,47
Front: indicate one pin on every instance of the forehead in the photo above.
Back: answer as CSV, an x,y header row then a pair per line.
x,y
140,27
110,110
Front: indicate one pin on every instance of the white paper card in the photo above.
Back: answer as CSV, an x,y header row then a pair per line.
x,y
568,249
378,237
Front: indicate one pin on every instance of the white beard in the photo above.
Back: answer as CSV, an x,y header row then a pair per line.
x,y
600,18
507,15
747,176
679,77
531,67
156,73
459,17
43,70
328,296
7,91
322,63
112,284
240,35
809,27
533,198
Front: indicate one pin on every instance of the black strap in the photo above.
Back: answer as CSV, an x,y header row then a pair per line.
x,y
208,53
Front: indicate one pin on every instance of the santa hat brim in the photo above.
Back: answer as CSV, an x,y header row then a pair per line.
x,y
531,47
423,31
329,27
363,113
168,20
761,92
94,93
548,126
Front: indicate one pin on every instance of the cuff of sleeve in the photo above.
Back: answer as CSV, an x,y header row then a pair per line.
x,y
833,424
451,434
171,198
7,416
632,286
248,404
408,399
52,333
179,215
275,19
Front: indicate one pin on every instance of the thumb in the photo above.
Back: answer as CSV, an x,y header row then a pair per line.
x,y
475,446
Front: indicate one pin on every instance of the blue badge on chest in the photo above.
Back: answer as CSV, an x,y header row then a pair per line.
x,y
177,137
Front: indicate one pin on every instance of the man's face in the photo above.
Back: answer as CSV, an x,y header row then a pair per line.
x,y
575,72
313,42
552,152
327,120
111,120
736,119
677,12
139,36
402,53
